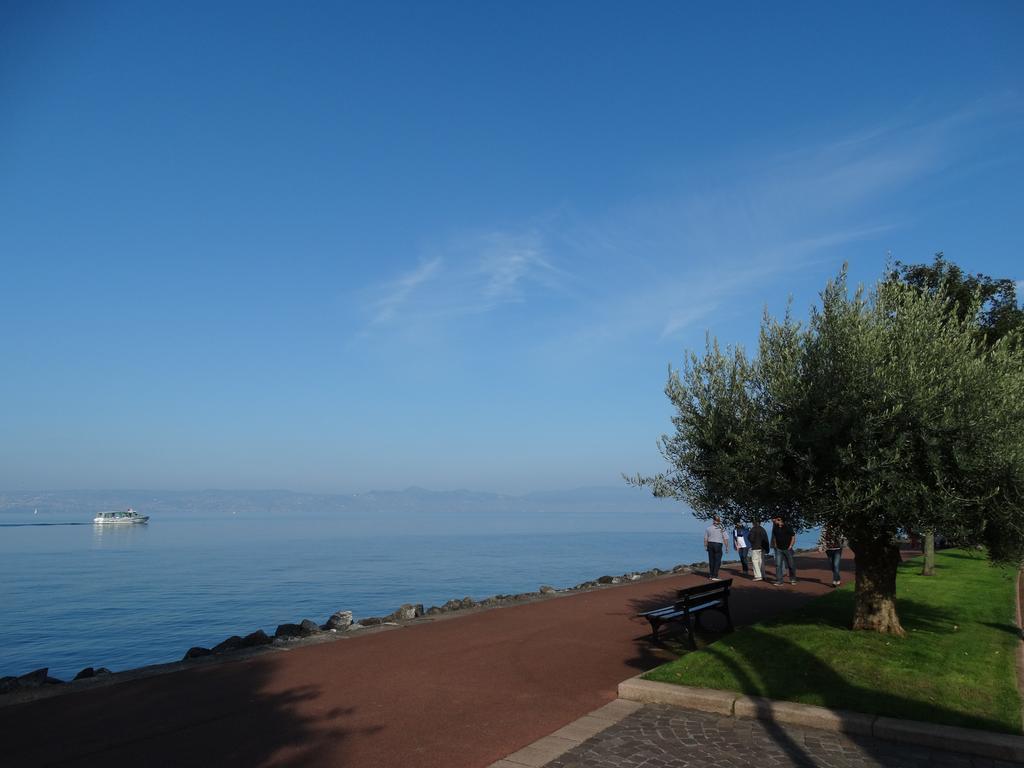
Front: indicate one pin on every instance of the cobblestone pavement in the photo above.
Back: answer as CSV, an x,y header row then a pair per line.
x,y
666,737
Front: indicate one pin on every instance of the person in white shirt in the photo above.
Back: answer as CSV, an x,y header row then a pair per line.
x,y
741,540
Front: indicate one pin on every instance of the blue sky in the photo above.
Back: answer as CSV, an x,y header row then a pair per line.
x,y
335,247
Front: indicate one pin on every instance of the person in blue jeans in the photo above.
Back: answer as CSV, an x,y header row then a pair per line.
x,y
716,542
783,541
831,542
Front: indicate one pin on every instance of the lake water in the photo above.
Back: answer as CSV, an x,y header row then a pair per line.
x,y
76,595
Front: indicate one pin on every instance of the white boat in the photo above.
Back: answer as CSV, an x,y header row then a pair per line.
x,y
127,517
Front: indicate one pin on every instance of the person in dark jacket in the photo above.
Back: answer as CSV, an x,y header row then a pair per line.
x,y
760,547
783,541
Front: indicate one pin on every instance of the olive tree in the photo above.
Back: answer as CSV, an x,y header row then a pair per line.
x,y
884,411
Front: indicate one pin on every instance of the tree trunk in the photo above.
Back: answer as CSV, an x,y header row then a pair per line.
x,y
875,564
929,554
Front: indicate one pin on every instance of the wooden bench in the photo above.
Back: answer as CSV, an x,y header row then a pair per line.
x,y
689,605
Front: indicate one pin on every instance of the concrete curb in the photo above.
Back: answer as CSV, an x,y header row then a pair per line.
x,y
702,699
999,746
791,713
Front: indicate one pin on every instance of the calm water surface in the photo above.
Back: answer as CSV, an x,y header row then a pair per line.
x,y
75,595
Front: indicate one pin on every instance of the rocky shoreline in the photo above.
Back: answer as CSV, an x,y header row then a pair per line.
x,y
339,624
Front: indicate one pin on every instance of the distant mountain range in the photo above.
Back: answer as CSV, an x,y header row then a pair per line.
x,y
413,510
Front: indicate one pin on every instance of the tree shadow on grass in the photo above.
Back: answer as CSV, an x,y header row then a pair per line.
x,y
961,555
835,609
804,674
774,666
222,714
1010,629
777,733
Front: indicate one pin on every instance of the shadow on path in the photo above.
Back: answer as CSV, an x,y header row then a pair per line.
x,y
230,714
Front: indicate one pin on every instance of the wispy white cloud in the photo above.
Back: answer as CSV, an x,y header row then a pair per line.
x,y
690,258
655,270
682,317
780,216
396,294
509,265
476,274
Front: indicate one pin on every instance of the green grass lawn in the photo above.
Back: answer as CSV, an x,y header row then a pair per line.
x,y
956,664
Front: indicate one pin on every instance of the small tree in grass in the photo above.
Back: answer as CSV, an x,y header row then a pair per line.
x,y
884,411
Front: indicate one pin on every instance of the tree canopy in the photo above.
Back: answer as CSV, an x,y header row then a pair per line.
x,y
993,301
884,411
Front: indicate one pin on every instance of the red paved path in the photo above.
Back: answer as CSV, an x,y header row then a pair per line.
x,y
457,693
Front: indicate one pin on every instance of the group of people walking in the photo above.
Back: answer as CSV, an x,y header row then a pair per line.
x,y
754,546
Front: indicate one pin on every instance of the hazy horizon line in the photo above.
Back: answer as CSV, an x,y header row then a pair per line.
x,y
404,489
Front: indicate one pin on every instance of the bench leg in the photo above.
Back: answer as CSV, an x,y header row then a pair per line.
x,y
691,626
655,626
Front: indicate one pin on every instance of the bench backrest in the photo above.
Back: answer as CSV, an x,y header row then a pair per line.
x,y
702,593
